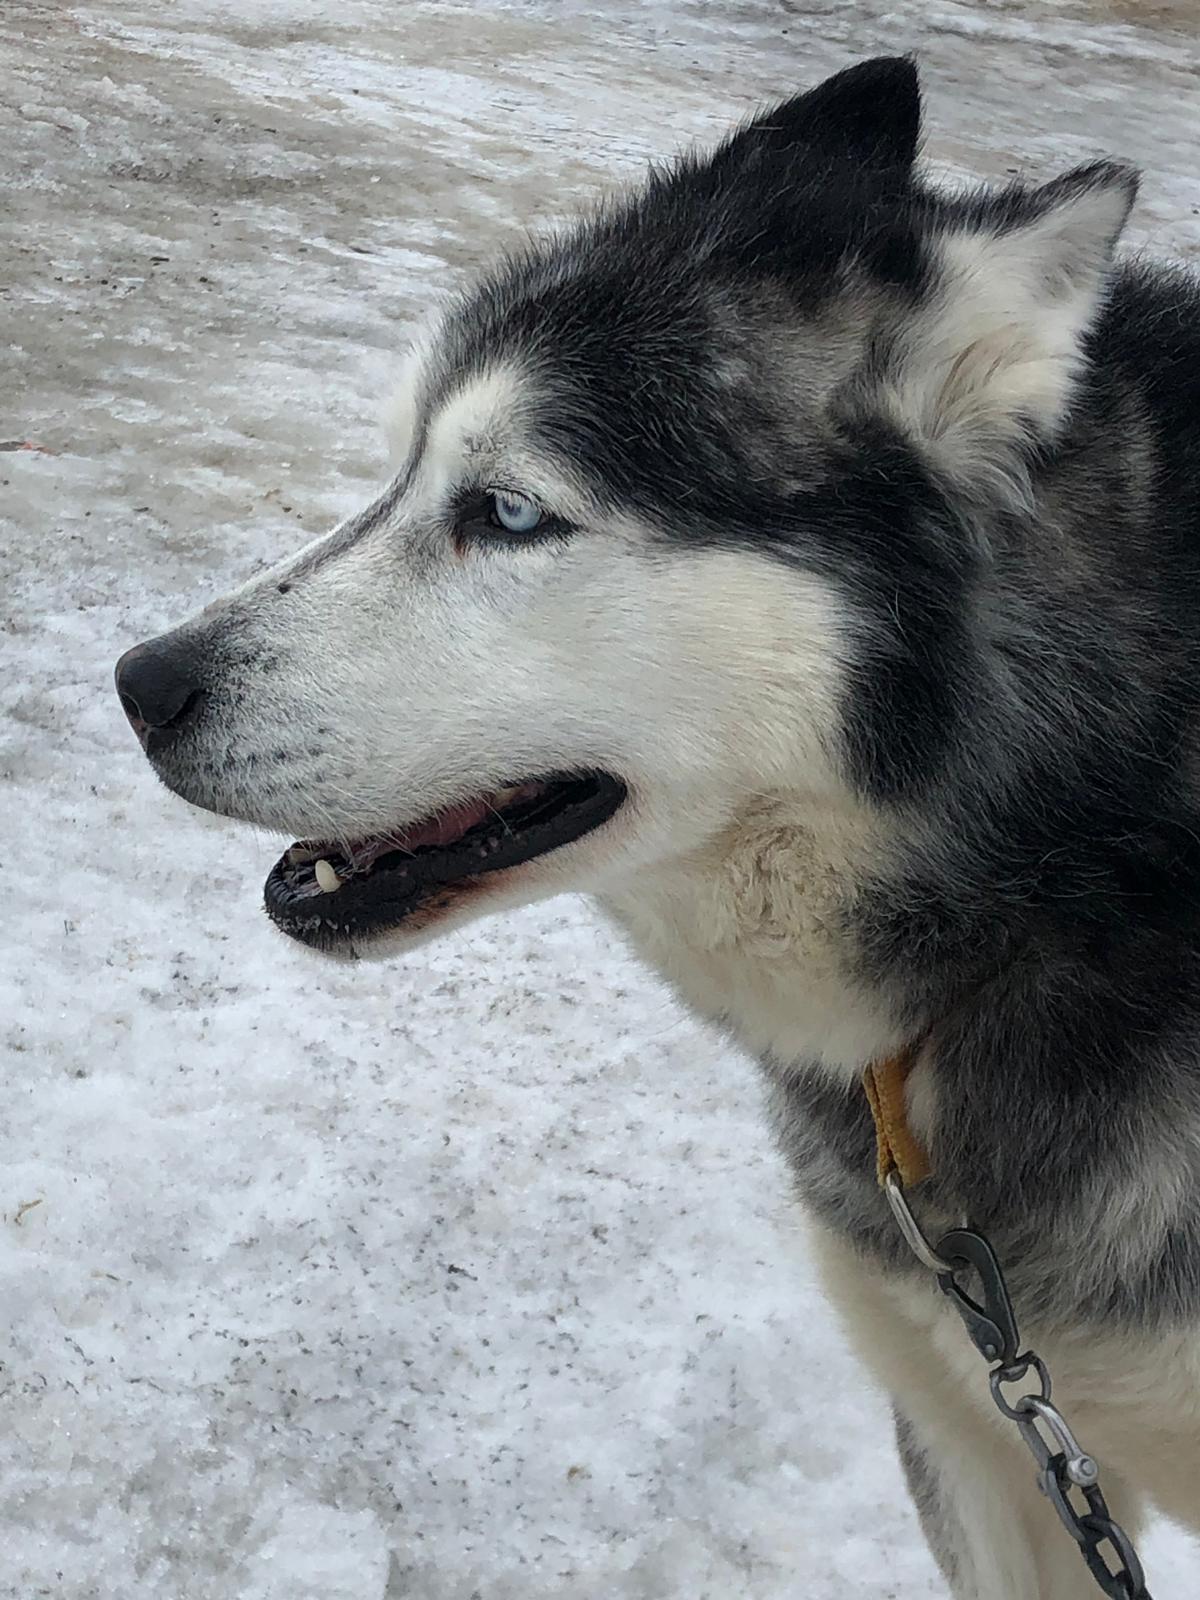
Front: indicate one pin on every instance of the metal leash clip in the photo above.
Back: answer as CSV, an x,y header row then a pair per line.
x,y
1064,1468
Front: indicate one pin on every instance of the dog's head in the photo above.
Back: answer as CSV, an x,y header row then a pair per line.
x,y
688,502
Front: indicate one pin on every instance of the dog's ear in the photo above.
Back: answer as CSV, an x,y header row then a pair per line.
x,y
868,115
984,372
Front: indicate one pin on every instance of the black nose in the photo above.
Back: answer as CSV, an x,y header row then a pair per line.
x,y
159,689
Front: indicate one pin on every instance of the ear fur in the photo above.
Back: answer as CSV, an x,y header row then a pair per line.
x,y
987,367
868,115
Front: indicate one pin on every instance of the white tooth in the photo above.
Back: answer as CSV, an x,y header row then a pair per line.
x,y
326,877
504,797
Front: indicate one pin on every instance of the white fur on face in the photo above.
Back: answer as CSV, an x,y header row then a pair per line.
x,y
402,408
408,674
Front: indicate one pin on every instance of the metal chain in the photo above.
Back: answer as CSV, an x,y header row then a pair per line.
x,y
1064,1470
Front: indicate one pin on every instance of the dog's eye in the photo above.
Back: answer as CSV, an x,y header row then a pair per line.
x,y
516,513
505,517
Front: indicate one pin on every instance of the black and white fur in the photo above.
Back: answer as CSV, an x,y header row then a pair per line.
x,y
873,571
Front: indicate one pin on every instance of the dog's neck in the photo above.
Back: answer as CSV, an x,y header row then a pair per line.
x,y
754,932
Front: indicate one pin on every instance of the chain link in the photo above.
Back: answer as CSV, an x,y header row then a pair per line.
x,y
1066,1475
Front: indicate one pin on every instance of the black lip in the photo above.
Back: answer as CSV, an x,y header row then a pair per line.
x,y
402,882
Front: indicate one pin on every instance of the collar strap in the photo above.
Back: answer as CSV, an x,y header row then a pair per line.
x,y
897,1148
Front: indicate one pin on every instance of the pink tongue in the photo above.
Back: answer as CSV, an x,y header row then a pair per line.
x,y
445,828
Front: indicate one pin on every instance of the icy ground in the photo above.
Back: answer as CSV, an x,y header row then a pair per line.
x,y
474,1276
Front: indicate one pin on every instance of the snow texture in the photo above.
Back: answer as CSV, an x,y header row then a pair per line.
x,y
474,1276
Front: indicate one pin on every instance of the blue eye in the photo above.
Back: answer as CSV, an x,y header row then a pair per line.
x,y
515,512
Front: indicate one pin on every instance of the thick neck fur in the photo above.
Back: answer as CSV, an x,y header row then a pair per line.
x,y
755,933
1047,831
1027,901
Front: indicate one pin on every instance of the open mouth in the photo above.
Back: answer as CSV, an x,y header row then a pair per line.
x,y
326,894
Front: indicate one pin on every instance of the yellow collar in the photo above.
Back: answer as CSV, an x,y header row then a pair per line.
x,y
897,1148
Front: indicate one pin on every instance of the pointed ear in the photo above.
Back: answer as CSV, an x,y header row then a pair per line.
x,y
988,365
869,115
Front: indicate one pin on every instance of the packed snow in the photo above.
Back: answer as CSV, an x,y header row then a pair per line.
x,y
475,1275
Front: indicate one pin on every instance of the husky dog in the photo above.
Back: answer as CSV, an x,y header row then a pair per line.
x,y
806,563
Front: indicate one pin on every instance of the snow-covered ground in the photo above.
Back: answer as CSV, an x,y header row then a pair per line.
x,y
474,1276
